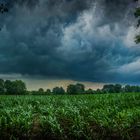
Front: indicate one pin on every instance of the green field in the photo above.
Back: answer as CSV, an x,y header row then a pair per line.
x,y
106,116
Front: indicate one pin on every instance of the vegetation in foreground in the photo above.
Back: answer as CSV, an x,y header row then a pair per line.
x,y
106,116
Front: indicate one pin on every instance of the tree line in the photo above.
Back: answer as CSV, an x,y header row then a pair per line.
x,y
18,87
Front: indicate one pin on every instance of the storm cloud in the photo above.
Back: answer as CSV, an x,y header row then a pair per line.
x,y
90,40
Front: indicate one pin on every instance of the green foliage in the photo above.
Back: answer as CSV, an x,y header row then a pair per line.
x,y
58,90
2,86
89,91
118,88
76,89
41,91
106,116
48,92
129,88
8,86
15,87
18,87
112,88
12,87
71,89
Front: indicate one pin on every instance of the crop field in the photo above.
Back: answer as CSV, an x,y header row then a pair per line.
x,y
106,116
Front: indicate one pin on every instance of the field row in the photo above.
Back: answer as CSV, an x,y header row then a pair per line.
x,y
107,116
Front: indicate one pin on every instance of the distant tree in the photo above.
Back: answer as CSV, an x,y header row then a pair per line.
x,y
89,91
108,88
117,88
137,88
99,91
40,91
58,90
76,89
33,92
112,88
71,89
8,87
80,88
127,88
48,92
17,87
2,91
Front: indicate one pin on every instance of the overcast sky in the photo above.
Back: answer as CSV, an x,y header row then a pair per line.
x,y
75,40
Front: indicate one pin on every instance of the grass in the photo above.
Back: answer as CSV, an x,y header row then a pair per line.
x,y
107,116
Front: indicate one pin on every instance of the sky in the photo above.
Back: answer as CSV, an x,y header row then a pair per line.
x,y
54,42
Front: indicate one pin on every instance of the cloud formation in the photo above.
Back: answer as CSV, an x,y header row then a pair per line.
x,y
90,40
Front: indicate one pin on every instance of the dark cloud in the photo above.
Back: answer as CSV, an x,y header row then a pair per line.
x,y
76,39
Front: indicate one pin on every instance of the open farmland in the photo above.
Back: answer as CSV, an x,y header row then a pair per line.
x,y
106,116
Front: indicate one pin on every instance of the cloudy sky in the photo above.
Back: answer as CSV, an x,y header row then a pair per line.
x,y
69,40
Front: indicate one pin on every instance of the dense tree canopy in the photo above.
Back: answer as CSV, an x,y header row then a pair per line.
x,y
58,90
48,92
112,88
1,86
76,89
40,90
17,87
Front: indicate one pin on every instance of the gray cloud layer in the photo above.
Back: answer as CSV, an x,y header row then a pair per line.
x,y
77,39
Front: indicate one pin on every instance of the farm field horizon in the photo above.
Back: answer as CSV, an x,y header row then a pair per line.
x,y
100,116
